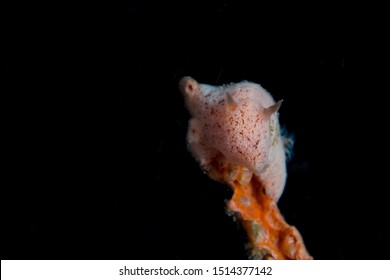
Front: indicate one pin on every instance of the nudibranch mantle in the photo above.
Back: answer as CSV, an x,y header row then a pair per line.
x,y
238,123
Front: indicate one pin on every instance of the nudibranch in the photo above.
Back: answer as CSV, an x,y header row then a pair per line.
x,y
234,134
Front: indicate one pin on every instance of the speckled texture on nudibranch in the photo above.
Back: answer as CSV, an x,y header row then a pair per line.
x,y
238,122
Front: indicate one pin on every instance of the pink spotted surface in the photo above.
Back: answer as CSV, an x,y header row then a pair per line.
x,y
238,123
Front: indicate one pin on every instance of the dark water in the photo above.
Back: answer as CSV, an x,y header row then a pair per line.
x,y
95,131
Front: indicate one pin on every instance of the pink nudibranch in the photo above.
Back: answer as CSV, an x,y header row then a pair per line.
x,y
238,123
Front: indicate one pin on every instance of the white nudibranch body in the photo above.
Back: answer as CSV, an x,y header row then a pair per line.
x,y
240,122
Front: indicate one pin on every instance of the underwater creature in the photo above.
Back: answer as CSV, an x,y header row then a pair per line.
x,y
234,134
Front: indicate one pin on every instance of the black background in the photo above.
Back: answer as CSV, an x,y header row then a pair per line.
x,y
97,166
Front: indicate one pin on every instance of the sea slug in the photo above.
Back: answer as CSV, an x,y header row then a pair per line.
x,y
234,134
